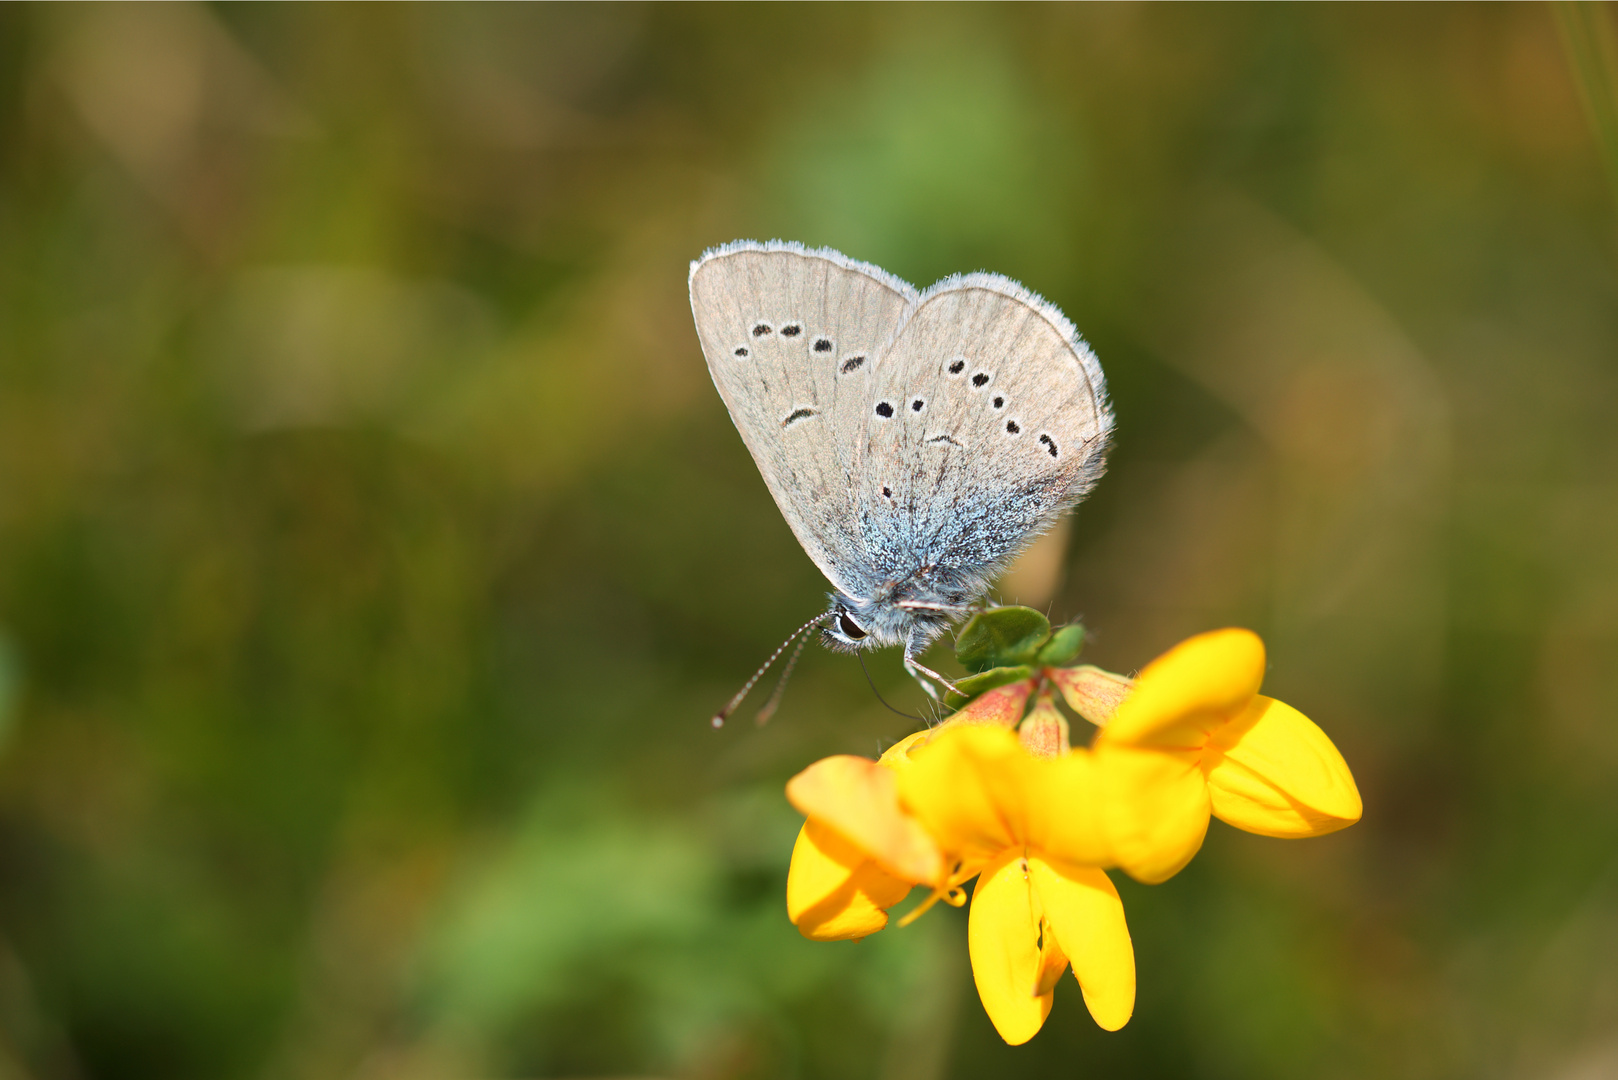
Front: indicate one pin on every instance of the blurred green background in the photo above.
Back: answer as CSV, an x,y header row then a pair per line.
x,y
374,547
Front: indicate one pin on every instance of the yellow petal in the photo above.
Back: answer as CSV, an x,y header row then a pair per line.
x,y
833,891
897,756
1052,961
1064,818
1153,807
1002,937
860,799
1190,690
1082,907
969,788
1279,775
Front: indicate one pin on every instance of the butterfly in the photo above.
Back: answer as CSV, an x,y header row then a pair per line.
x,y
915,441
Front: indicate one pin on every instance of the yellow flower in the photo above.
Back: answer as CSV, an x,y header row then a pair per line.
x,y
858,853
965,799
1029,826
1195,737
1000,796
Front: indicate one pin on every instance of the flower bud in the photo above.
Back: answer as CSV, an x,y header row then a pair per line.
x,y
1044,732
1092,693
1002,706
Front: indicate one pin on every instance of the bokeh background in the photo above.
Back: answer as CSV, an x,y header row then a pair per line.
x,y
374,547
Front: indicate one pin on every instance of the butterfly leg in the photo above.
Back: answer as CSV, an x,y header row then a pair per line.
x,y
925,605
921,673
932,691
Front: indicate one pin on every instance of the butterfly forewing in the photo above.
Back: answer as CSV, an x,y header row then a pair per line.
x,y
792,338
987,418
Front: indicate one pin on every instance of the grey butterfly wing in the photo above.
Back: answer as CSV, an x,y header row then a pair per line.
x,y
988,418
792,338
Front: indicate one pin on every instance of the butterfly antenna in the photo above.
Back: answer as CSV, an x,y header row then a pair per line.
x,y
774,702
722,715
878,693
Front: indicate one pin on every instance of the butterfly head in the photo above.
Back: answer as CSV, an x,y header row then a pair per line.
x,y
854,623
845,631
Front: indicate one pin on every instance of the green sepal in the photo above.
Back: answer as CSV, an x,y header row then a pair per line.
x,y
1063,647
1001,637
973,685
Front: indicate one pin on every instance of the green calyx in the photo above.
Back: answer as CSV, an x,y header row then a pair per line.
x,y
1062,648
1012,637
973,685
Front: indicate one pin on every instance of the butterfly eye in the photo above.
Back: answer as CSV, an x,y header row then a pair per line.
x,y
849,627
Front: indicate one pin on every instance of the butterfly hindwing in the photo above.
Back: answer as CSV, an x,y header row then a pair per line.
x,y
792,338
987,418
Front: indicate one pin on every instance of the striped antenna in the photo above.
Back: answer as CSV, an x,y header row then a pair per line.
x,y
780,690
722,715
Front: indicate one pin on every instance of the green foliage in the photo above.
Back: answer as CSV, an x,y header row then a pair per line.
x,y
1006,644
973,685
1063,647
1001,637
9,689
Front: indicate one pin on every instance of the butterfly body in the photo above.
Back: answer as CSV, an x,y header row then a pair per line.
x,y
916,442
